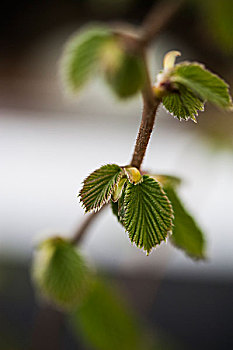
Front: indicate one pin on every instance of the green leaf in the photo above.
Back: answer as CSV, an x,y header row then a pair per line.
x,y
129,76
186,233
98,50
60,273
105,323
182,103
203,83
99,186
148,213
82,56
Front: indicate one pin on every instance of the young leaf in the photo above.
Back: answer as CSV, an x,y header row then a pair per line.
x,y
183,104
128,77
148,213
203,83
82,55
105,323
186,233
118,188
118,208
60,273
99,186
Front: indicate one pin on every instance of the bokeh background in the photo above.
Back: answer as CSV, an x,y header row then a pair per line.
x,y
50,142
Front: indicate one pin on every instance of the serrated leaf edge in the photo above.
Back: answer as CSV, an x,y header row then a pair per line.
x,y
192,117
187,63
106,199
169,232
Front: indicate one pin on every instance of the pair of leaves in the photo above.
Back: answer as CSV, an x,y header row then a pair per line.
x,y
99,50
189,86
147,206
60,273
142,207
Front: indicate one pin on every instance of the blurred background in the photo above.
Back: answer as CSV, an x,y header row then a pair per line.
x,y
49,143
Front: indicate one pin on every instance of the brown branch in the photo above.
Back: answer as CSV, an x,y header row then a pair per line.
x,y
78,235
157,19
151,27
150,106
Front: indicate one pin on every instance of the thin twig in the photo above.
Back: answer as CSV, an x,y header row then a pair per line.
x,y
78,235
151,27
150,106
157,19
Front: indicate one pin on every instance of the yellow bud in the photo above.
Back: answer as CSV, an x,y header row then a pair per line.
x,y
133,175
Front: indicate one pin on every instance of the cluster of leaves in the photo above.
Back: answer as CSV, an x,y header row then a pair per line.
x,y
96,312
99,50
147,206
186,87
183,88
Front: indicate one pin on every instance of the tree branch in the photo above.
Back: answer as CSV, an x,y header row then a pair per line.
x,y
150,106
78,235
157,19
151,27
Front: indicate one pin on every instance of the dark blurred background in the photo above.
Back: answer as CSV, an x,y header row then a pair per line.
x,y
49,143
